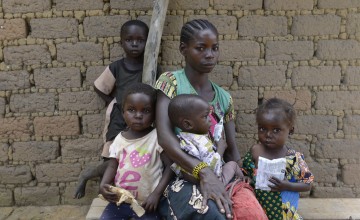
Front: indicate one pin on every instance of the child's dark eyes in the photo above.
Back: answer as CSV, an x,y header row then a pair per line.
x,y
276,130
216,48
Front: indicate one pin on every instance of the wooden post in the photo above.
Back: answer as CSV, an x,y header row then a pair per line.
x,y
153,42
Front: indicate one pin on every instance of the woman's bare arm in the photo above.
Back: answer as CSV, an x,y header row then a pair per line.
x,y
232,152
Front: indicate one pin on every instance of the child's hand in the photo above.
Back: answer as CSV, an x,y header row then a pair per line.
x,y
278,185
107,194
151,202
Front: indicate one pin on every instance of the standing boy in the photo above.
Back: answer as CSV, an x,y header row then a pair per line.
x,y
110,85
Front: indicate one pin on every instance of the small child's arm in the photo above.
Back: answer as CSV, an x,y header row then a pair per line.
x,y
107,180
285,185
152,201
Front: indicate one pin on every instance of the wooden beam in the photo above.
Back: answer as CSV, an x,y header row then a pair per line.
x,y
153,42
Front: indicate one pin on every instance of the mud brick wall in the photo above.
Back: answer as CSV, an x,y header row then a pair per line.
x,y
51,120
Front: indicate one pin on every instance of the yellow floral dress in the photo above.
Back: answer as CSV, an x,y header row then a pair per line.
x,y
282,205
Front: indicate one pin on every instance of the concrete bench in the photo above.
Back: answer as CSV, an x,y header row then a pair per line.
x,y
309,208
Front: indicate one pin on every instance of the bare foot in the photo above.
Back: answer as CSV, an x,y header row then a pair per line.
x,y
85,175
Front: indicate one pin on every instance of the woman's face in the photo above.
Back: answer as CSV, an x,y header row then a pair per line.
x,y
202,52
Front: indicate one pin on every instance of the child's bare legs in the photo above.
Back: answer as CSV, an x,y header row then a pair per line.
x,y
229,170
92,172
85,175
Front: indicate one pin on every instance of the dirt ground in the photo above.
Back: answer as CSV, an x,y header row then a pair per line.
x,y
61,212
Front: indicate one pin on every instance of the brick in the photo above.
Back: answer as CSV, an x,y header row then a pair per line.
x,y
32,102
56,125
4,152
338,50
351,124
237,4
15,127
91,192
172,25
57,172
235,50
116,52
350,174
324,172
316,25
246,123
353,24
25,6
281,5
81,148
244,145
92,73
81,51
262,75
337,100
257,25
316,124
170,51
27,55
14,80
300,99
289,50
65,77
2,106
104,26
54,27
302,146
188,5
337,149
15,174
332,192
6,197
78,5
13,29
316,76
224,24
93,124
222,75
77,101
335,4
35,150
37,196
131,5
245,99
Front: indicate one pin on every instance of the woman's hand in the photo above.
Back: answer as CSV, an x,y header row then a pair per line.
x,y
107,194
212,188
151,202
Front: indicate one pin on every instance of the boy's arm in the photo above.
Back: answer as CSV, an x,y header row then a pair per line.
x,y
106,98
108,179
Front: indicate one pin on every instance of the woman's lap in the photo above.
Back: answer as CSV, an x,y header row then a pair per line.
x,y
183,201
124,212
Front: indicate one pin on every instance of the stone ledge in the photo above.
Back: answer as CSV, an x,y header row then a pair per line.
x,y
309,208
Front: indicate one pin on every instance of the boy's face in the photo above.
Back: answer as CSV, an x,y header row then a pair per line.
x,y
133,40
139,111
200,119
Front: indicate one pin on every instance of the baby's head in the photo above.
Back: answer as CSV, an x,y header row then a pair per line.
x,y
138,105
190,113
133,35
283,108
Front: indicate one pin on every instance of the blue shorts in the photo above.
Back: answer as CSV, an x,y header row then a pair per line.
x,y
124,212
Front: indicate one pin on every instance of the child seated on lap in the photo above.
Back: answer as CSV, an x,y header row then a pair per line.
x,y
190,113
